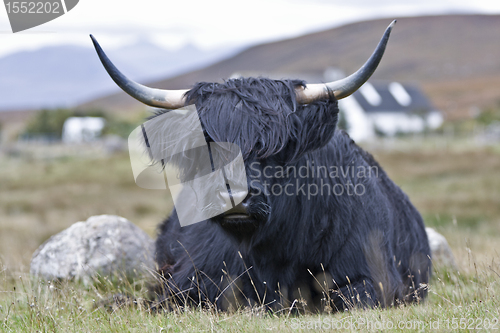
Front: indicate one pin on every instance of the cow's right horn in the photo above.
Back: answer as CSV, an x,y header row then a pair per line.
x,y
169,99
346,86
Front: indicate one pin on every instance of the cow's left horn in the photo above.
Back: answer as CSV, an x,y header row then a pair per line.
x,y
169,99
345,87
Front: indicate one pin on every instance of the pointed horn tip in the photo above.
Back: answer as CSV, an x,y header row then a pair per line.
x,y
94,41
392,24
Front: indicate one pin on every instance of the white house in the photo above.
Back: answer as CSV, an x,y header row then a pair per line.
x,y
82,129
387,108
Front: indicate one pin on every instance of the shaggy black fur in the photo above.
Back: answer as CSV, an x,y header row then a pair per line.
x,y
331,250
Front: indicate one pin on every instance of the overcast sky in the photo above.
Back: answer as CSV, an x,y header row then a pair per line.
x,y
215,23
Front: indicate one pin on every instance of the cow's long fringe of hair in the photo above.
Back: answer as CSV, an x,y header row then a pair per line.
x,y
262,116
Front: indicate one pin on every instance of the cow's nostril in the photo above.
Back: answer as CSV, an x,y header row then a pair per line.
x,y
240,203
246,201
239,196
235,198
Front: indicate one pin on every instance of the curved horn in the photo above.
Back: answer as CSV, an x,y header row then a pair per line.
x,y
346,86
169,99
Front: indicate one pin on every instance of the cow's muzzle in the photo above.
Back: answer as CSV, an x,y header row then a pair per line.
x,y
239,211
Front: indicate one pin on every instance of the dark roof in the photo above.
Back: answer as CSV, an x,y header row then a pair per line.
x,y
419,103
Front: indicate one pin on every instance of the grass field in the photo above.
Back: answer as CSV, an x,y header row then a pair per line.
x,y
456,187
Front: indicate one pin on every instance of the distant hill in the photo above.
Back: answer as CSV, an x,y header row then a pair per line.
x,y
69,75
455,58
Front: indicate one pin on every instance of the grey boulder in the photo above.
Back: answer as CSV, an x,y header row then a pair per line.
x,y
441,251
104,245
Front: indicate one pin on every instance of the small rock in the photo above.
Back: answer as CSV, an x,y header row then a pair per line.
x,y
104,244
441,251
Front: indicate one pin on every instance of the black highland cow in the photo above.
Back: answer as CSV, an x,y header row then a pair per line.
x,y
322,223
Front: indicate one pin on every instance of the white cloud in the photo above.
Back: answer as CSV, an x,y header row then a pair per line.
x,y
215,22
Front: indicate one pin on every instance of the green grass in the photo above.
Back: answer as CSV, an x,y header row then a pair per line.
x,y
32,305
456,190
